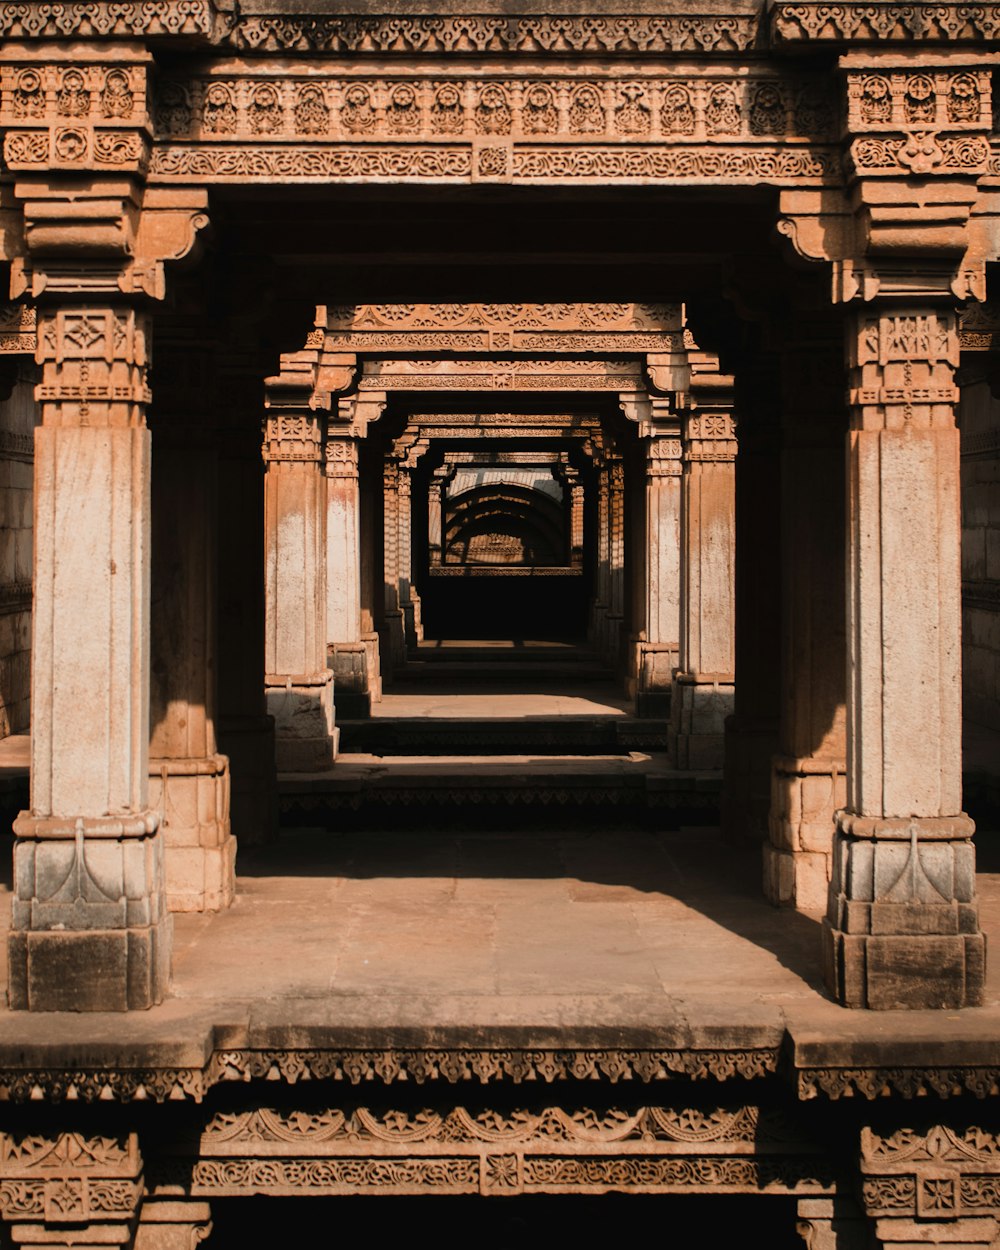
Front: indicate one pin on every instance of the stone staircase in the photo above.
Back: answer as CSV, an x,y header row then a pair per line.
x,y
483,733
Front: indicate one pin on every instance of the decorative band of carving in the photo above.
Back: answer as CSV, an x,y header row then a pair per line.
x,y
60,19
384,1067
475,35
861,20
874,1082
500,162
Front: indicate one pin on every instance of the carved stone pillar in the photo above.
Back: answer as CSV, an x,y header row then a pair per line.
x,y
751,736
614,621
573,491
658,648
298,683
90,928
702,694
436,510
409,600
608,609
902,928
346,651
189,779
246,731
394,623
71,1190
808,782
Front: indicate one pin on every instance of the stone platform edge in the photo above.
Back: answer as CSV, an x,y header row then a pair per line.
x,y
186,1070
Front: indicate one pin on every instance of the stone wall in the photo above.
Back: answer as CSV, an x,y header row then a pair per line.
x,y
980,423
17,424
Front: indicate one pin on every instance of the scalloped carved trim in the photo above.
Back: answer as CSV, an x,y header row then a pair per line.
x,y
385,1067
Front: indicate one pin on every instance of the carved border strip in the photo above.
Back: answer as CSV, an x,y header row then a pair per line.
x,y
499,162
654,1148
475,35
948,21
873,1083
383,1066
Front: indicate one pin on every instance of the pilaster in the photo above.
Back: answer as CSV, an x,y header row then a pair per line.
x,y
90,929
902,927
751,733
704,681
189,778
808,776
245,730
346,653
658,648
298,683
393,616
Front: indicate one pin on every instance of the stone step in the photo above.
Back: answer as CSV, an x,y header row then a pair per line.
x,y
563,672
539,735
489,788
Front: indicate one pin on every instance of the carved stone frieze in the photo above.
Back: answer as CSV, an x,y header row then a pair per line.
x,y
932,1174
473,34
489,1150
716,109
18,326
863,21
528,328
61,19
500,375
725,127
385,1066
69,1179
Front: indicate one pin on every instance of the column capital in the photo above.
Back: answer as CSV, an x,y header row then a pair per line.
x,y
341,457
902,360
664,455
912,219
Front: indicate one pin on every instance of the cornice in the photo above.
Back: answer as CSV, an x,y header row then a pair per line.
x,y
806,22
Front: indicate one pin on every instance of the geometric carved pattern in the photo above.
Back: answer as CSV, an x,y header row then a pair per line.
x,y
384,1066
731,127
940,1174
647,1148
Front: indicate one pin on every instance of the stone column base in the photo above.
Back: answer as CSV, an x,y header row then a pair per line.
x,y
806,794
597,634
700,704
305,740
370,643
902,930
655,663
964,1233
172,1224
414,619
832,1224
90,929
348,661
746,794
253,802
394,637
199,849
